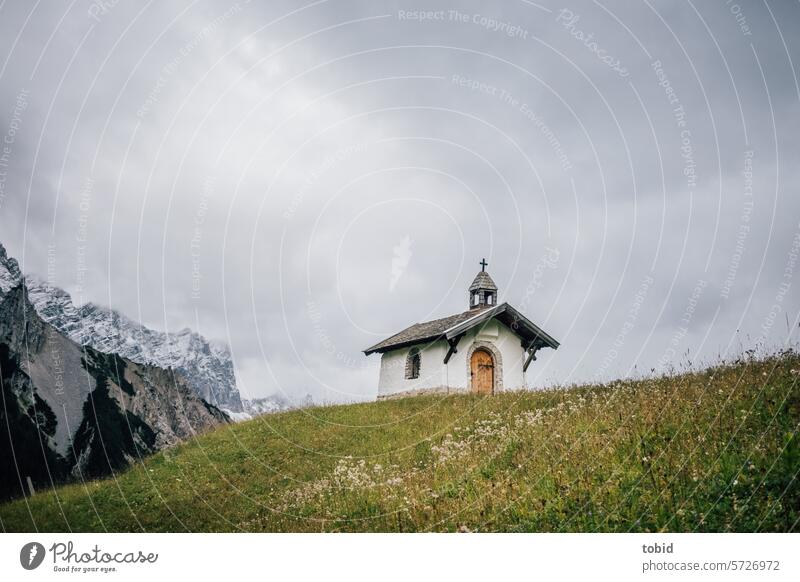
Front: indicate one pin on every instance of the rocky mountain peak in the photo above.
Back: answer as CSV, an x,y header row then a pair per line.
x,y
207,366
10,275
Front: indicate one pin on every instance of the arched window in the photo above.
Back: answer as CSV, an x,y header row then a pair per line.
x,y
413,361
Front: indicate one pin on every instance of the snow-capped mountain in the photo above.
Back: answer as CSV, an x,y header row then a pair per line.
x,y
71,411
267,405
206,365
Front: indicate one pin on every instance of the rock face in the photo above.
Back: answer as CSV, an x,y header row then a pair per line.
x,y
10,275
74,412
206,365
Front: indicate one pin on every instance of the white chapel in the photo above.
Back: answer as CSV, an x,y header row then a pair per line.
x,y
485,349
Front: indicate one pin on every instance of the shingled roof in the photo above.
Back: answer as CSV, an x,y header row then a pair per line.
x,y
483,281
422,332
456,325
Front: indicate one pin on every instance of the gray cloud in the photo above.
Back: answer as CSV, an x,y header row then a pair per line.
x,y
248,171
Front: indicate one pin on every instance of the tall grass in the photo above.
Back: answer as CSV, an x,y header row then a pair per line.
x,y
715,450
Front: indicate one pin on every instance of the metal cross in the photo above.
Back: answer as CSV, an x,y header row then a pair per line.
x,y
483,264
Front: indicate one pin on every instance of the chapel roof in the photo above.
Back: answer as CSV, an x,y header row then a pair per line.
x,y
455,325
421,332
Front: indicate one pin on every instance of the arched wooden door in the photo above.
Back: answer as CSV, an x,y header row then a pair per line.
x,y
482,370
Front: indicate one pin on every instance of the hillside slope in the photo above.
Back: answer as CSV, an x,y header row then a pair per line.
x,y
708,451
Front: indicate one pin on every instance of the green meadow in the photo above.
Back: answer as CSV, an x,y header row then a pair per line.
x,y
711,451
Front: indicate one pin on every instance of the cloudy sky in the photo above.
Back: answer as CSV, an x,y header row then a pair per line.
x,y
301,180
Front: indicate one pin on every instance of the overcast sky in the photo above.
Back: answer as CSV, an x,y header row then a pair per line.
x,y
302,180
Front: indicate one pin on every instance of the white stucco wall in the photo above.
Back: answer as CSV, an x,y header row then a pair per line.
x,y
435,376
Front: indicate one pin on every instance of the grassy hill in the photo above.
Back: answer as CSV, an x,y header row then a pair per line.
x,y
709,451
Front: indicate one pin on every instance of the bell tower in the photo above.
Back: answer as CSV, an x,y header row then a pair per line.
x,y
483,291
